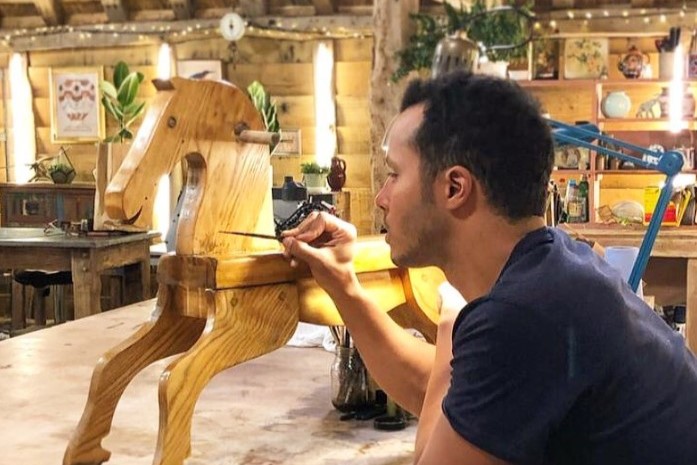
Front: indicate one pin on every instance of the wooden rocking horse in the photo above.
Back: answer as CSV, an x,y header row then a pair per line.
x,y
222,299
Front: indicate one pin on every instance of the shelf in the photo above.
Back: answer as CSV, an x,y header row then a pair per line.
x,y
633,171
639,124
593,82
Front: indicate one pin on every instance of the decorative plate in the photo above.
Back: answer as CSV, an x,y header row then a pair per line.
x,y
585,58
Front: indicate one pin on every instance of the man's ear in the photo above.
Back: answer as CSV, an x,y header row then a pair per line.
x,y
459,184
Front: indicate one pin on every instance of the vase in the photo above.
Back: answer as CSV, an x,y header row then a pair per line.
x,y
616,105
337,174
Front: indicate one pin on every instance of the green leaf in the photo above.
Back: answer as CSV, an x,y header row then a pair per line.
x,y
120,73
134,109
128,90
110,108
108,89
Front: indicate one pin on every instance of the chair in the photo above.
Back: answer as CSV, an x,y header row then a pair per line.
x,y
42,281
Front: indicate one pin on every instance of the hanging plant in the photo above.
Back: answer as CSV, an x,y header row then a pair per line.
x,y
489,30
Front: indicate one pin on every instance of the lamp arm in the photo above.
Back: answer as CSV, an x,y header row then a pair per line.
x,y
670,163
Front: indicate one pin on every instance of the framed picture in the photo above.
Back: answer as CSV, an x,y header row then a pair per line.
x,y
77,114
200,69
585,58
290,143
545,59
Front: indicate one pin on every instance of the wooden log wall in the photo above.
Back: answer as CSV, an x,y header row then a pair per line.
x,y
283,66
4,83
83,155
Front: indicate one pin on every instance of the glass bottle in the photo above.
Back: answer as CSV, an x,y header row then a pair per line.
x,y
574,204
583,195
349,380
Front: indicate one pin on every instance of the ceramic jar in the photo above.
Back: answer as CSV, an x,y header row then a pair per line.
x,y
632,63
615,105
337,174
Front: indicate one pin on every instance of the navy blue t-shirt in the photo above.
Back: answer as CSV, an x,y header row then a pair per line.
x,y
561,363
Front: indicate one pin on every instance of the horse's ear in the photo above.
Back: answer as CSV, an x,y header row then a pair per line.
x,y
163,84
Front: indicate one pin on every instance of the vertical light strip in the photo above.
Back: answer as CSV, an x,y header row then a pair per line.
x,y
676,93
325,106
164,61
23,137
162,207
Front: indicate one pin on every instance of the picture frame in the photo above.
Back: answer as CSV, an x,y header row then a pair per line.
x,y
290,142
585,58
77,114
545,59
200,69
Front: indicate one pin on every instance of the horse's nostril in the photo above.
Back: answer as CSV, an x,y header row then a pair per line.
x,y
172,121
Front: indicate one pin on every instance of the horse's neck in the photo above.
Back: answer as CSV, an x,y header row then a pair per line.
x,y
228,189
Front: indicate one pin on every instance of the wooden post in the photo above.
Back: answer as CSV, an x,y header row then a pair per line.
x,y
392,29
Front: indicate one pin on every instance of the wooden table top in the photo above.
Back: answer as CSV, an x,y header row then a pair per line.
x,y
35,237
274,409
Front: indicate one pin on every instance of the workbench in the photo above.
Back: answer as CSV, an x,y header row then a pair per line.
x,y
85,256
274,409
671,274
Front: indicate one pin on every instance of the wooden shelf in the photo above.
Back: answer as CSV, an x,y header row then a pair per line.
x,y
639,124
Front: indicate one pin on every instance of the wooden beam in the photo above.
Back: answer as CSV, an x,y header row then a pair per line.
x,y
97,35
182,9
391,29
50,11
115,11
324,7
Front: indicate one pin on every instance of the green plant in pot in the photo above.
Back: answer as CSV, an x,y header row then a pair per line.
x,y
61,170
487,30
314,176
119,99
266,107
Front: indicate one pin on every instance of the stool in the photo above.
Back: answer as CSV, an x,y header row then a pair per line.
x,y
40,281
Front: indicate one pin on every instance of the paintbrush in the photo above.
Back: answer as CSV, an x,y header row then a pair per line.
x,y
248,234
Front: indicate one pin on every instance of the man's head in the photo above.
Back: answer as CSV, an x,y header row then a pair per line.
x,y
492,128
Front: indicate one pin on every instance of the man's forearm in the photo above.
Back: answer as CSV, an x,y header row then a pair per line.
x,y
399,363
438,384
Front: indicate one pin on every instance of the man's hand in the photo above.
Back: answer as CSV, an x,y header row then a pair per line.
x,y
327,245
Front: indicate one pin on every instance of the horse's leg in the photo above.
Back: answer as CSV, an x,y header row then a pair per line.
x,y
242,324
170,334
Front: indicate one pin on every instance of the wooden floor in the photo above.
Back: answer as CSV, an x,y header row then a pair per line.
x,y
272,410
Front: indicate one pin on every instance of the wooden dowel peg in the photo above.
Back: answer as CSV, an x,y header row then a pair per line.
x,y
255,137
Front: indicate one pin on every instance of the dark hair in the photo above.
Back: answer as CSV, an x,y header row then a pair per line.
x,y
493,128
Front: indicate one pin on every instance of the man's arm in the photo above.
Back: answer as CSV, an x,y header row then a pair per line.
x,y
436,441
400,363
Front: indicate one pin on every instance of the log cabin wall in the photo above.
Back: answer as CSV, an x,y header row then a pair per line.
x,y
284,67
83,155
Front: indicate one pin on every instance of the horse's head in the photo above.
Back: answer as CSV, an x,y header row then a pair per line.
x,y
228,182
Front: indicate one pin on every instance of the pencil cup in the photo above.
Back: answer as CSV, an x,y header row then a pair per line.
x,y
665,65
349,379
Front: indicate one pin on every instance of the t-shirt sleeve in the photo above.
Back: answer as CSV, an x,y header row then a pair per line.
x,y
513,380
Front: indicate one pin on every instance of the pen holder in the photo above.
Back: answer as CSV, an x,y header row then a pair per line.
x,y
349,379
665,65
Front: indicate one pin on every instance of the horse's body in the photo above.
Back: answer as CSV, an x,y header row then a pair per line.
x,y
222,299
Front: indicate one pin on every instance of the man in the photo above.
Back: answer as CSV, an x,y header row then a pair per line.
x,y
554,360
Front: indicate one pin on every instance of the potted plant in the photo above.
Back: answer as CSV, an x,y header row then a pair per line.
x,y
314,176
119,99
488,30
61,173
266,107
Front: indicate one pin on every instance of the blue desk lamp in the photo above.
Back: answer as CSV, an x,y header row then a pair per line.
x,y
670,163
